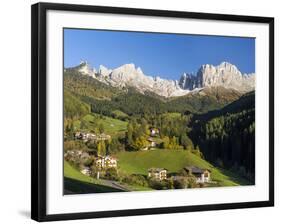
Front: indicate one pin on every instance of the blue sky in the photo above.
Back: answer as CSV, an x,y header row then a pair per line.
x,y
164,55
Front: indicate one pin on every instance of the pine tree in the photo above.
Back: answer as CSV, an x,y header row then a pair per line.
x,y
101,148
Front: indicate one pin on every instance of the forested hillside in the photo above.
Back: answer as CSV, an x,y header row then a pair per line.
x,y
227,136
213,124
104,99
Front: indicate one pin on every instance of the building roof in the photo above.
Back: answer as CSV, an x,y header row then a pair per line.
x,y
195,170
105,157
109,157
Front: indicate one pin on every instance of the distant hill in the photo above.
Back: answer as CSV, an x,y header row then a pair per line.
x,y
245,102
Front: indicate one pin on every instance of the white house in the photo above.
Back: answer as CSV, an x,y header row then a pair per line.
x,y
106,162
157,173
201,175
86,171
90,136
152,142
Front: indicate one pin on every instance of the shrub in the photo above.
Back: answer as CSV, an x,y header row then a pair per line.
x,y
158,185
170,183
88,162
191,182
111,174
74,145
135,179
180,183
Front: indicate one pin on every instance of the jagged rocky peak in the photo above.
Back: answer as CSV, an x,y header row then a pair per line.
x,y
188,81
83,63
228,67
225,74
128,75
126,69
221,69
104,71
85,68
139,70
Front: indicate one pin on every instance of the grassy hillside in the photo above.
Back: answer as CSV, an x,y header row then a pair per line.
x,y
111,126
76,182
107,100
86,86
73,106
173,160
245,102
133,103
205,100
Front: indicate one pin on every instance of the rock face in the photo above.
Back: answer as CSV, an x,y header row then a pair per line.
x,y
104,71
225,75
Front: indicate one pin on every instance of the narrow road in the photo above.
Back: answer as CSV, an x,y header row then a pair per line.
x,y
114,184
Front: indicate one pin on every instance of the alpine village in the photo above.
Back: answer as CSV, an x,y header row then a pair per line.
x,y
126,131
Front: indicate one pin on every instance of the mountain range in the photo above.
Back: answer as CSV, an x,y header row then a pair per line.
x,y
224,75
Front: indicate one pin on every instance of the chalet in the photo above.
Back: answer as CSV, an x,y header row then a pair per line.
x,y
201,175
83,136
103,137
86,171
78,135
90,136
152,142
157,173
73,154
154,132
106,162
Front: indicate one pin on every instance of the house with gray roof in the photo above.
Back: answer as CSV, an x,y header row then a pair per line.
x,y
201,175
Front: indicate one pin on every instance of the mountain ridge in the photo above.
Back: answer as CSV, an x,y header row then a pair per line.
x,y
128,75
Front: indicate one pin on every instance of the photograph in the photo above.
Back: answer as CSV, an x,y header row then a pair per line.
x,y
157,111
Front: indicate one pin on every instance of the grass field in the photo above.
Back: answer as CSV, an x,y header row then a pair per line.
x,y
111,126
172,115
173,160
120,114
76,182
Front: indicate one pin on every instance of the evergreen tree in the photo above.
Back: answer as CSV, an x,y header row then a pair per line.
x,y
186,142
101,148
101,128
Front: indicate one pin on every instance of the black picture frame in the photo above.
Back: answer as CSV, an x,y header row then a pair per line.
x,y
39,107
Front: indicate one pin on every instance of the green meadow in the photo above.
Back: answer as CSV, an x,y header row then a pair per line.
x,y
173,160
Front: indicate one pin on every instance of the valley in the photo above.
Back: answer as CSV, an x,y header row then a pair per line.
x,y
134,137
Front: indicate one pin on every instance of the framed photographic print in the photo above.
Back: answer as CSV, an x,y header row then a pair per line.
x,y
139,111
